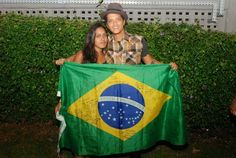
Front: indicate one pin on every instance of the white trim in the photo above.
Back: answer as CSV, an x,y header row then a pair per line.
x,y
222,7
217,5
61,129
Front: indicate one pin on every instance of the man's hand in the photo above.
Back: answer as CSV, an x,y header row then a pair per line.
x,y
174,66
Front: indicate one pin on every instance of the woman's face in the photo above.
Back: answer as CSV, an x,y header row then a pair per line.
x,y
100,38
115,23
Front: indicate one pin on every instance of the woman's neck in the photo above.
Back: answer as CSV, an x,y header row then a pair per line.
x,y
100,57
98,50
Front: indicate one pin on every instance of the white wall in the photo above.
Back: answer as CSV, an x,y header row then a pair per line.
x,y
212,14
230,16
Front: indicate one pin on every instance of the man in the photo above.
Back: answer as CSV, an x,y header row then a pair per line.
x,y
125,48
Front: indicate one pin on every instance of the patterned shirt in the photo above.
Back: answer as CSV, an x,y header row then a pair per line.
x,y
129,50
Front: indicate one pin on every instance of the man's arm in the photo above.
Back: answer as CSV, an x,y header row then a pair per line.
x,y
148,59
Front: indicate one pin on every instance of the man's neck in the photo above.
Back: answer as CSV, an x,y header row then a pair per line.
x,y
119,36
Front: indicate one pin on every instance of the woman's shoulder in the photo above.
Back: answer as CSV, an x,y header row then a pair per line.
x,y
80,52
79,57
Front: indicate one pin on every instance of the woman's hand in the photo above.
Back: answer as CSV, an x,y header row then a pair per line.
x,y
60,61
58,106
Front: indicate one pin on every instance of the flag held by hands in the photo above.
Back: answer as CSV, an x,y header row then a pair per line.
x,y
112,109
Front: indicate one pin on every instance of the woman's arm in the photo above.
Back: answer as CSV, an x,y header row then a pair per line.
x,y
78,57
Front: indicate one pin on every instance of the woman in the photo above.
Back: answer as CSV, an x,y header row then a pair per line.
x,y
93,52
94,49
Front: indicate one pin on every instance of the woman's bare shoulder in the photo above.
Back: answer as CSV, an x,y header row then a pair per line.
x,y
79,57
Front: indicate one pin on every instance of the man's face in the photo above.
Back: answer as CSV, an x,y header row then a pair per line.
x,y
115,23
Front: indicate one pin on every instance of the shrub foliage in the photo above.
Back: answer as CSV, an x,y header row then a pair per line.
x,y
29,45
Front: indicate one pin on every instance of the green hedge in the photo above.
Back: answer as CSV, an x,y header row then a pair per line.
x,y
29,45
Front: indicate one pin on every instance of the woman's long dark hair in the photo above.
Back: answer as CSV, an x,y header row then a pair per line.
x,y
89,52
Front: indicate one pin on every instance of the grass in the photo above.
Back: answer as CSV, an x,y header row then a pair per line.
x,y
26,140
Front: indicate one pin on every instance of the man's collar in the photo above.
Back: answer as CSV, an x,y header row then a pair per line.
x,y
126,37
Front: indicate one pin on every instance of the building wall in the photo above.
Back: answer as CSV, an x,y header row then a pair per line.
x,y
209,14
230,16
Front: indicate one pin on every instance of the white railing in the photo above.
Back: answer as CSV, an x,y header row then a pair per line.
x,y
146,7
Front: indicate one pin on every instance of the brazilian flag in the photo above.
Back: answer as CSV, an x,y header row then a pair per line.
x,y
112,109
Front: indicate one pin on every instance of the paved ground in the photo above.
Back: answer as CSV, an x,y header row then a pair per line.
x,y
27,140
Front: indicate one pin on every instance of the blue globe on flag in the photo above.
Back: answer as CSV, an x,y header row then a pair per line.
x,y
121,106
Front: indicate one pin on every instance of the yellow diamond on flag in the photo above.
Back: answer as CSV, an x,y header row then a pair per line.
x,y
88,107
